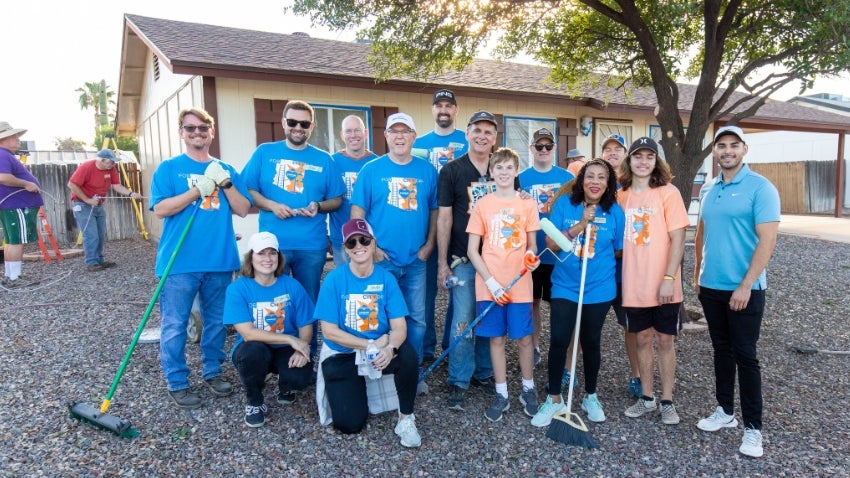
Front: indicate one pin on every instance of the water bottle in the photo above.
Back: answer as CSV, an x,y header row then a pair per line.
x,y
371,354
452,281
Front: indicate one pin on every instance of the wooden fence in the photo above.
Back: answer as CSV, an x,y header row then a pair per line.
x,y
804,186
121,220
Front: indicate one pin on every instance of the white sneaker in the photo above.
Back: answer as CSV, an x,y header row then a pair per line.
x,y
751,444
640,407
544,414
669,415
406,430
719,419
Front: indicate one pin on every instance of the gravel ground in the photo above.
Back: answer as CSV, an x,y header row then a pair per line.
x,y
46,363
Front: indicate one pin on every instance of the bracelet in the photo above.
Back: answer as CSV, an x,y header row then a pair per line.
x,y
318,206
569,235
669,277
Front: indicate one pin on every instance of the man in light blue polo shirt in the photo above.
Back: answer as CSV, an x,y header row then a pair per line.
x,y
735,238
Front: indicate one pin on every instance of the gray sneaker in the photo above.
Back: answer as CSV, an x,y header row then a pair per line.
x,y
185,398
219,386
422,388
528,399
668,414
457,398
500,404
640,407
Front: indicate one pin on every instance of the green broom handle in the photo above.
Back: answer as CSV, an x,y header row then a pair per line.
x,y
108,399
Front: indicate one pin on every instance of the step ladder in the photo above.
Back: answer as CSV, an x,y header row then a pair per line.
x,y
45,229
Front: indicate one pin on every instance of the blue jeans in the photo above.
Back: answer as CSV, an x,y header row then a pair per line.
x,y
306,267
411,280
429,342
471,356
175,306
92,222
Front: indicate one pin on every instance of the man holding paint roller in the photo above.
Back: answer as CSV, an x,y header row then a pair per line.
x,y
181,184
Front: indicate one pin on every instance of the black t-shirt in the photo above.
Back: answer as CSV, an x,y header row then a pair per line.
x,y
460,187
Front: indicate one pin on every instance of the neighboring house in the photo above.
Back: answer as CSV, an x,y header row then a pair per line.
x,y
244,78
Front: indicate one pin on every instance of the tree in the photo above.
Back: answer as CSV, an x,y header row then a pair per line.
x,y
123,143
69,144
97,95
729,47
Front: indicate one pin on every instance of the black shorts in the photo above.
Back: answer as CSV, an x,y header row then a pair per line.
x,y
617,305
541,279
663,318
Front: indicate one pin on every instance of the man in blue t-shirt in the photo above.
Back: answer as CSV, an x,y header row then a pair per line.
x,y
542,180
736,234
397,194
348,161
440,146
195,194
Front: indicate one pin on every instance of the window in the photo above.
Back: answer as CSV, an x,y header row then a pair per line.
x,y
518,134
604,129
328,121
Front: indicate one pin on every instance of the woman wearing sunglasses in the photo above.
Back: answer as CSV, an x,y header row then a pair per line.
x,y
361,306
274,318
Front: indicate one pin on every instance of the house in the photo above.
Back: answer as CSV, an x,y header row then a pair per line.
x,y
244,78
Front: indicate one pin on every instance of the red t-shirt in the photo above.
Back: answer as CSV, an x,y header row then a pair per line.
x,y
94,181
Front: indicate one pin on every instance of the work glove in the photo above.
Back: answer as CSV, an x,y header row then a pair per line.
x,y
531,261
218,174
205,185
498,292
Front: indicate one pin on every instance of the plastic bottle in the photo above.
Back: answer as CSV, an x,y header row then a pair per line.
x,y
452,281
371,354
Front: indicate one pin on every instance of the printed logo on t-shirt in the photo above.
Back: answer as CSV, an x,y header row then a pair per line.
x,y
637,225
349,178
403,193
362,312
580,244
544,196
289,175
478,190
210,203
271,316
508,228
443,155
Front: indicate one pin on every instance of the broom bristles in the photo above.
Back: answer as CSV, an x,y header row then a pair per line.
x,y
84,412
569,429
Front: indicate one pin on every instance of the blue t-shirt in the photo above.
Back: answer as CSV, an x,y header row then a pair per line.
x,y
606,237
360,306
398,200
730,212
348,168
211,242
281,308
294,177
542,188
439,150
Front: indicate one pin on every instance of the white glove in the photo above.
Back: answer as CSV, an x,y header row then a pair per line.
x,y
217,173
205,185
497,291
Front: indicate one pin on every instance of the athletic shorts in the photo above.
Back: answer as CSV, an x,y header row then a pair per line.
x,y
513,320
541,279
19,225
617,304
663,318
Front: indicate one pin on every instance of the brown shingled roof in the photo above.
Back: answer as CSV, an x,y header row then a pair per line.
x,y
237,53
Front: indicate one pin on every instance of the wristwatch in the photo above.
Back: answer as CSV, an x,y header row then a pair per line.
x,y
395,351
228,185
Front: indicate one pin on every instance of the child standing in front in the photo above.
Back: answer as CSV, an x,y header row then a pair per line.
x,y
502,242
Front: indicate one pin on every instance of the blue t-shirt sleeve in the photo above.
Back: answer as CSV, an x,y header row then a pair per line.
x,y
327,306
251,172
766,204
162,185
619,231
239,183
236,309
333,181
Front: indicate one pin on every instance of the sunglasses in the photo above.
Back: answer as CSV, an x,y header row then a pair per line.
x,y
304,124
190,128
548,146
352,243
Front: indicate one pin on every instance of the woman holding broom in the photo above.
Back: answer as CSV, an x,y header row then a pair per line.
x,y
590,199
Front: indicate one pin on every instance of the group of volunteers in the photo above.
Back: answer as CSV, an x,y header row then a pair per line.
x,y
444,210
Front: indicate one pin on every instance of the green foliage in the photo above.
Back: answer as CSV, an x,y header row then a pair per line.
x,y
124,143
69,144
97,95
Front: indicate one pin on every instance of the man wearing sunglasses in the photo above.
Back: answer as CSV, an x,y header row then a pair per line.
x,y
542,180
397,194
295,185
206,262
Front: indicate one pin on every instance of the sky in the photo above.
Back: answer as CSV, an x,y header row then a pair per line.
x,y
58,46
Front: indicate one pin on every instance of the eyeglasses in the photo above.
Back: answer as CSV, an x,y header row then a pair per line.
x,y
304,124
352,243
548,146
397,132
190,128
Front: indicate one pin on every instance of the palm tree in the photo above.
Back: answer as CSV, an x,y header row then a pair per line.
x,y
96,95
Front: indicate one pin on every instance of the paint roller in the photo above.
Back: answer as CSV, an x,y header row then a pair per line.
x,y
557,236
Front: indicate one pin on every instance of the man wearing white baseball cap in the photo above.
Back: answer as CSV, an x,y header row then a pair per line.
x,y
20,199
397,194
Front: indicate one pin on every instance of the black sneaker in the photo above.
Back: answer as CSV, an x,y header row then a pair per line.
x,y
500,404
457,398
219,386
255,416
107,264
185,398
488,384
285,398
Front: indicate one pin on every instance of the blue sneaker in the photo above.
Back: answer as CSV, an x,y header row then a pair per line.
x,y
591,405
565,380
635,389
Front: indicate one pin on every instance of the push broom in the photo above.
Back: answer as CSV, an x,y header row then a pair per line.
x,y
98,417
567,427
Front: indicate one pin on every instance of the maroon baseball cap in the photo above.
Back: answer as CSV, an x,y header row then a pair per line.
x,y
354,227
